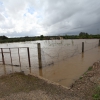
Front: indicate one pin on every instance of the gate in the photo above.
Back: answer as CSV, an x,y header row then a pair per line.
x,y
13,51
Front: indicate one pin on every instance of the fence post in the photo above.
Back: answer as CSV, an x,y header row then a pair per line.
x,y
82,47
10,56
19,57
39,55
2,56
29,57
99,42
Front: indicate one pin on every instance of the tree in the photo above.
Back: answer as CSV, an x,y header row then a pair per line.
x,y
83,35
3,37
87,35
41,37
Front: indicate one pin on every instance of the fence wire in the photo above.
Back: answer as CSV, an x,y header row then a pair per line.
x,y
51,52
63,51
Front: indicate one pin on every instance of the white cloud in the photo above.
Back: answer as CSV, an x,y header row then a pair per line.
x,y
36,17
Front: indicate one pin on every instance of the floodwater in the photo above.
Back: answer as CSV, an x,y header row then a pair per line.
x,y
62,60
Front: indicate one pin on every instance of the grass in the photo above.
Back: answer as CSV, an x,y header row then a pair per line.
x,y
96,95
81,77
90,68
85,73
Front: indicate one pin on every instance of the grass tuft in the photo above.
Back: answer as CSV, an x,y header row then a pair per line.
x,y
96,95
90,68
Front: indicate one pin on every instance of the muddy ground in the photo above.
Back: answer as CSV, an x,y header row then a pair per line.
x,y
19,86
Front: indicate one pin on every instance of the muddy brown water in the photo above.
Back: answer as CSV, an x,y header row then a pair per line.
x,y
62,60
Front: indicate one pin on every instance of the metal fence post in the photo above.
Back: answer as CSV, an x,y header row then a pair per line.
x,y
2,56
82,47
39,55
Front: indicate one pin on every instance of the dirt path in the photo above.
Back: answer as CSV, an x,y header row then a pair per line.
x,y
18,86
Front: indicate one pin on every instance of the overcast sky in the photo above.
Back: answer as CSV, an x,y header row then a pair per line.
x,y
49,17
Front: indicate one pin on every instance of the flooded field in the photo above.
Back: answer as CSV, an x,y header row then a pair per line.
x,y
62,60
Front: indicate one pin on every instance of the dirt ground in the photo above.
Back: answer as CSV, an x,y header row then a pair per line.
x,y
87,83
19,86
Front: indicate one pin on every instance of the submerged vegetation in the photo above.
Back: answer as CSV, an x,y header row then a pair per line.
x,y
82,35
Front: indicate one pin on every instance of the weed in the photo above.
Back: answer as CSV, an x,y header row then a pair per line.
x,y
81,77
85,73
90,68
96,95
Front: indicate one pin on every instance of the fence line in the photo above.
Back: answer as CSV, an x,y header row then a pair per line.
x,y
67,53
44,56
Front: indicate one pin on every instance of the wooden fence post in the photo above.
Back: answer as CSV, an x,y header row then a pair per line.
x,y
2,56
82,47
29,57
99,42
10,56
39,55
19,57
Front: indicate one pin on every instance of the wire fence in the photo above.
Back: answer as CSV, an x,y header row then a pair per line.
x,y
51,52
63,51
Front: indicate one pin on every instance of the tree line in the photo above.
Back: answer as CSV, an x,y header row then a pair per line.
x,y
82,35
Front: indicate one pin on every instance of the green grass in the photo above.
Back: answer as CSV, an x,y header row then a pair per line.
x,y
90,68
81,77
85,73
96,95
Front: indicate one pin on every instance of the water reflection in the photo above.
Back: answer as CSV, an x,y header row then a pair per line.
x,y
12,68
82,55
5,72
29,69
40,72
70,69
72,42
